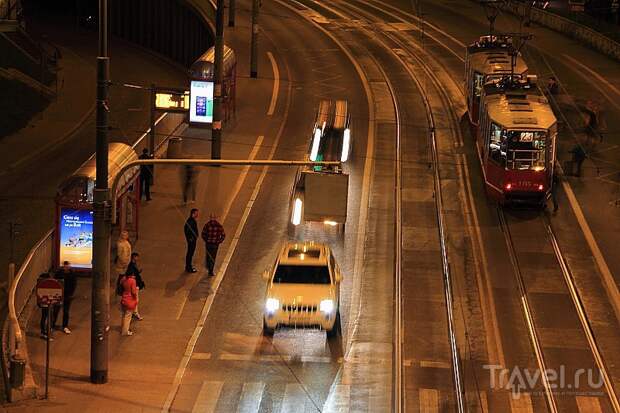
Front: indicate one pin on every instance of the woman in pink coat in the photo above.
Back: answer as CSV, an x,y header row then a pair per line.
x,y
129,302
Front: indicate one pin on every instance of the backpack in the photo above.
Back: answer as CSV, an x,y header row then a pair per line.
x,y
119,285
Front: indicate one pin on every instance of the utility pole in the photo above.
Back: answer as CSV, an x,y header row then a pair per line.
x,y
216,132
101,218
231,13
254,47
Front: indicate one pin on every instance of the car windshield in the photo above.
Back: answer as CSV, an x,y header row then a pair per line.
x,y
302,274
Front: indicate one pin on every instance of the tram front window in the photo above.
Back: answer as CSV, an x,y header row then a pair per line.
x,y
526,149
497,144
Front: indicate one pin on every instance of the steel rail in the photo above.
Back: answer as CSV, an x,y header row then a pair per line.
x,y
447,277
583,318
203,162
527,312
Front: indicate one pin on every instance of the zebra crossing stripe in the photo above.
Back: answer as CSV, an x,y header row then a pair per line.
x,y
208,397
251,396
588,404
339,399
294,398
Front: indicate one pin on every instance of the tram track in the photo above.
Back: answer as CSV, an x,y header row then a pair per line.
x,y
524,280
449,124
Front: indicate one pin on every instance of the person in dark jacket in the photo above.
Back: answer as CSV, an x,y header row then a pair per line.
x,y
555,183
69,279
191,236
213,235
579,155
135,269
146,175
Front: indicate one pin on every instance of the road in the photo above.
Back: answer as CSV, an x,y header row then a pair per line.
x,y
449,303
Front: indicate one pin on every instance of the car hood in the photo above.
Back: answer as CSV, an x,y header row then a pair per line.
x,y
301,293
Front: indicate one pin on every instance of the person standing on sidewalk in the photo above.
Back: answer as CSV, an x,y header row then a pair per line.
x,y
146,175
69,279
135,270
579,155
213,235
191,236
129,302
123,254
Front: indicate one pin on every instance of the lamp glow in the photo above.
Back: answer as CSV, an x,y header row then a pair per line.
x,y
346,142
315,145
326,306
272,304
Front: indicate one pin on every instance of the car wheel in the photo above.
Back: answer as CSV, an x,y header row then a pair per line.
x,y
268,332
335,331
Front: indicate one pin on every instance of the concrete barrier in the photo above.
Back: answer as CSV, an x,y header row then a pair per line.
x,y
577,31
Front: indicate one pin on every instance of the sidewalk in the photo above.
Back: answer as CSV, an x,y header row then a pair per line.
x,y
142,367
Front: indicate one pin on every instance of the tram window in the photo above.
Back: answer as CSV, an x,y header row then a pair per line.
x,y
527,150
497,144
478,83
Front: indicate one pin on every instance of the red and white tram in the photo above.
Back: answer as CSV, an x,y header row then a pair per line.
x,y
516,141
491,57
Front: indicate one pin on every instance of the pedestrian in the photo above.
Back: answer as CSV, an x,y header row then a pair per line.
x,y
135,269
555,183
129,302
47,311
579,155
191,237
66,274
213,235
592,122
552,86
146,175
190,175
123,254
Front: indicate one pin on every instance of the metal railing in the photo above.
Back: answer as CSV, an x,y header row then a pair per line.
x,y
38,260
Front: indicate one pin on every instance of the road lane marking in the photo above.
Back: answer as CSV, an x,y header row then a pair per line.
x,y
251,396
520,403
231,199
201,356
339,400
429,400
294,398
207,397
276,84
611,288
588,404
231,249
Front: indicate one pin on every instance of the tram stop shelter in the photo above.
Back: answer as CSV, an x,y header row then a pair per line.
x,y
202,78
74,207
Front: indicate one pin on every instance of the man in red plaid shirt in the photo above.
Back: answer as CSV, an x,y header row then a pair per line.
x,y
213,235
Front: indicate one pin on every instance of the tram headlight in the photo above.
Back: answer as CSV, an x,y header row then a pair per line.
x,y
541,187
508,186
326,306
272,304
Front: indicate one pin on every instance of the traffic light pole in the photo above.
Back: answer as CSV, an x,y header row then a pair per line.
x,y
101,218
216,132
254,46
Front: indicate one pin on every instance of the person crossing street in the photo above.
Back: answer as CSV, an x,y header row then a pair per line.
x,y
213,234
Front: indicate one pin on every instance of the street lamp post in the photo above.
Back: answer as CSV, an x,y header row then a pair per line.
x,y
254,45
216,131
101,218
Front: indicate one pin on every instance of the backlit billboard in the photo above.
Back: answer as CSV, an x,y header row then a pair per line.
x,y
201,102
76,237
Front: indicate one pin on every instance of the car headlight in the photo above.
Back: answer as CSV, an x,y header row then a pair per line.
x,y
272,304
327,306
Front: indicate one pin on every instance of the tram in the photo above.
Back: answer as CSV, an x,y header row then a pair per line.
x,y
516,141
491,57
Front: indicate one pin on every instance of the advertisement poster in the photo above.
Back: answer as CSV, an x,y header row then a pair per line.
x,y
76,237
201,102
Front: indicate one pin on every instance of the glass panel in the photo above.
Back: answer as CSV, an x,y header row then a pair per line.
x,y
497,144
526,149
478,83
302,274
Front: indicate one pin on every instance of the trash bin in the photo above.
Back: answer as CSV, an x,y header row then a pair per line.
x,y
175,148
17,372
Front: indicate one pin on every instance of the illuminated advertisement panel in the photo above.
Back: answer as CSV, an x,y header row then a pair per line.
x,y
201,102
76,237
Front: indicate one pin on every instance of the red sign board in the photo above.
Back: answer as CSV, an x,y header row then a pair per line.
x,y
49,292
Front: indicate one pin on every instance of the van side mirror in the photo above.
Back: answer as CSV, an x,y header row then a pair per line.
x,y
266,275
